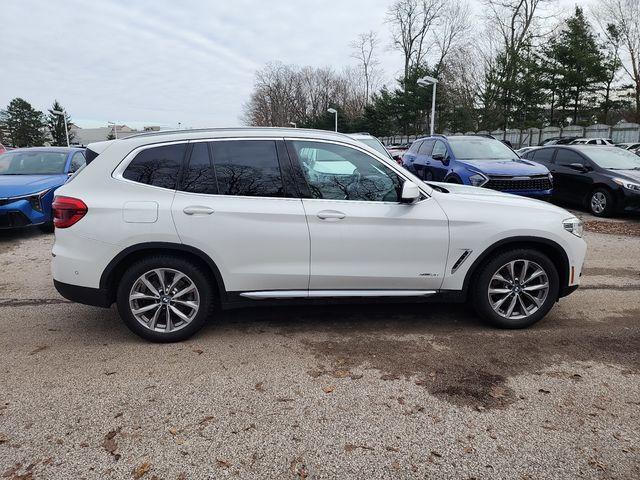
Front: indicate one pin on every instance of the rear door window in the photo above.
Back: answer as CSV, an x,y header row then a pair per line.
x,y
199,175
426,147
415,146
544,155
157,166
247,168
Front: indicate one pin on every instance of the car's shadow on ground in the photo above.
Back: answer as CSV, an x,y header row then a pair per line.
x,y
9,236
351,317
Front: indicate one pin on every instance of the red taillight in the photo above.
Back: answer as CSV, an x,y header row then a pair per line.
x,y
67,211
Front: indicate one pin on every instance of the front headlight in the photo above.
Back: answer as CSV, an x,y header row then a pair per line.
x,y
35,199
477,179
573,225
551,179
627,184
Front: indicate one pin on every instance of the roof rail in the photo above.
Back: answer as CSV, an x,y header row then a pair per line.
x,y
214,129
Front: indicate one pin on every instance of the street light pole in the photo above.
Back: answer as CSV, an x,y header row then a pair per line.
x,y
424,82
64,117
335,113
433,107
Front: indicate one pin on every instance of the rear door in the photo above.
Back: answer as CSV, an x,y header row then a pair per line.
x,y
236,205
424,160
410,159
358,227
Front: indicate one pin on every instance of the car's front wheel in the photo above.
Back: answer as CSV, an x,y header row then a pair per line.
x,y
601,203
164,298
516,288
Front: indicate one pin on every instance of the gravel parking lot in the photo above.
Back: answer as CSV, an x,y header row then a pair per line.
x,y
393,391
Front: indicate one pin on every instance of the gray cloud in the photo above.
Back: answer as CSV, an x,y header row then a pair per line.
x,y
162,62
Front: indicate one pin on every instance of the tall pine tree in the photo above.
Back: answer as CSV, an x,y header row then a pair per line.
x,y
23,124
577,65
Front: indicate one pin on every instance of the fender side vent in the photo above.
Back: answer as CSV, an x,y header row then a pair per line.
x,y
460,261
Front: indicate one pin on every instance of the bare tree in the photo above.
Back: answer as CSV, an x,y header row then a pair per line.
x,y
412,22
514,21
625,15
288,93
454,26
364,51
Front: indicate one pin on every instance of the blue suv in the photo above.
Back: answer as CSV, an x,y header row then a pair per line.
x,y
28,180
478,161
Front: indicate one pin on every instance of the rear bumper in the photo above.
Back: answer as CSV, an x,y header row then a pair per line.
x,y
98,297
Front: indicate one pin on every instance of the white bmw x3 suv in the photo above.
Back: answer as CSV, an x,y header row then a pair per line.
x,y
172,225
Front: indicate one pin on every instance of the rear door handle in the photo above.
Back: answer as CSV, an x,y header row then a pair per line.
x,y
331,215
197,210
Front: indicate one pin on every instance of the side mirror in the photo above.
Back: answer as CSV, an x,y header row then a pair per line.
x,y
578,167
410,192
438,156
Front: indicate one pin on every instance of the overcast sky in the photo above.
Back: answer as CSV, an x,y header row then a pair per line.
x,y
159,62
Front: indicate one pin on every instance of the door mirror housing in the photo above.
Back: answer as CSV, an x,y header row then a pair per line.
x,y
578,167
410,192
438,156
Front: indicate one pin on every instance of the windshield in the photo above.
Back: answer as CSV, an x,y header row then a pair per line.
x,y
613,158
376,145
32,163
480,149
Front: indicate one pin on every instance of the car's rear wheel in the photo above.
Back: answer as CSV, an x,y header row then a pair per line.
x,y
601,203
164,298
516,288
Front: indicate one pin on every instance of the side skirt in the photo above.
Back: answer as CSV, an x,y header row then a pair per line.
x,y
346,297
282,294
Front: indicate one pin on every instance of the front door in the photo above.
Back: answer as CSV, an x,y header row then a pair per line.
x,y
439,161
362,237
570,184
233,205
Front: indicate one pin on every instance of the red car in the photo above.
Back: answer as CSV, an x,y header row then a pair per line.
x,y
2,149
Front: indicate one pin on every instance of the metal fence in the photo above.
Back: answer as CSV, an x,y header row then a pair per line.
x,y
619,133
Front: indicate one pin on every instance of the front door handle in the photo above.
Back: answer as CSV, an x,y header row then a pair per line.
x,y
197,210
331,215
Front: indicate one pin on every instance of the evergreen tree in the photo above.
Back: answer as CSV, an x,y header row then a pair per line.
x,y
578,67
55,125
22,123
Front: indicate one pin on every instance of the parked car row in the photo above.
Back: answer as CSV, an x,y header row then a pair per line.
x,y
603,179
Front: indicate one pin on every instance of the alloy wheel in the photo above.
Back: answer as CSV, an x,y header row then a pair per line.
x,y
598,202
518,289
164,300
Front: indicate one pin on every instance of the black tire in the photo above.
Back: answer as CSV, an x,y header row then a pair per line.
x,y
594,203
194,273
480,288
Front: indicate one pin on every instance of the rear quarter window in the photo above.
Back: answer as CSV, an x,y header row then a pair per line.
x,y
157,166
